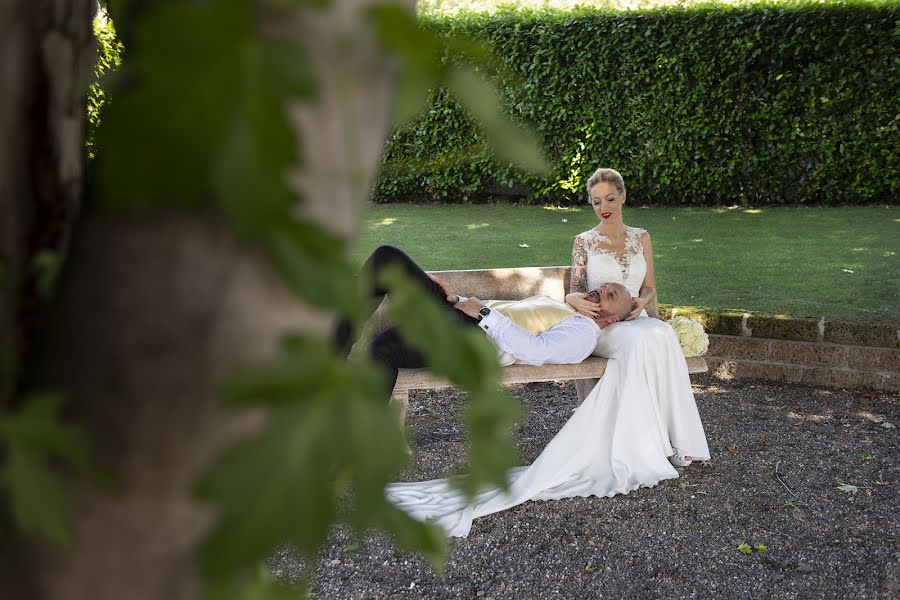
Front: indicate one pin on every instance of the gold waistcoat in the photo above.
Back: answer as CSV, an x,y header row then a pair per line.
x,y
536,314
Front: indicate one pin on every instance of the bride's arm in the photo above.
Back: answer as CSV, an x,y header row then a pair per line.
x,y
648,287
578,282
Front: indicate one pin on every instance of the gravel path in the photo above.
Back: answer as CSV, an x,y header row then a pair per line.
x,y
679,539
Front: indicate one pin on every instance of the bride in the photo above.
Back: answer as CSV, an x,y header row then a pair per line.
x,y
636,423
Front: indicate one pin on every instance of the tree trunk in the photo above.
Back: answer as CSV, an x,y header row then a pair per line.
x,y
46,50
153,311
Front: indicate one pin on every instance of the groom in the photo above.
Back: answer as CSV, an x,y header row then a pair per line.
x,y
534,331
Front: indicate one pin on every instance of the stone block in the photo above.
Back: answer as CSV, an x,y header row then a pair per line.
x,y
882,335
720,367
727,324
874,359
744,369
823,376
805,353
882,381
709,319
732,346
784,328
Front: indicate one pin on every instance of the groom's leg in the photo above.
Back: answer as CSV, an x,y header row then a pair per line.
x,y
389,350
387,256
382,257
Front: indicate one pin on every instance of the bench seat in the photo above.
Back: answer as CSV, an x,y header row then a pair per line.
x,y
591,368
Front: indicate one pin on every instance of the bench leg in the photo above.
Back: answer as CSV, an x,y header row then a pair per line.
x,y
400,402
583,387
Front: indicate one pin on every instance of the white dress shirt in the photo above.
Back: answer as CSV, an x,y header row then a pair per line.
x,y
568,342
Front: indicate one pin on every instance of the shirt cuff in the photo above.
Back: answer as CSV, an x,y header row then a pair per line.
x,y
492,320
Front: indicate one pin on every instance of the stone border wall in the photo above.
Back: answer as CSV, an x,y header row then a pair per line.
x,y
825,352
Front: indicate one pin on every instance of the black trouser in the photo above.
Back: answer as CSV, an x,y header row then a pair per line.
x,y
388,348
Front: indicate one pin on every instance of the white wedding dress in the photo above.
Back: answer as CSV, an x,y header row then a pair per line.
x,y
621,435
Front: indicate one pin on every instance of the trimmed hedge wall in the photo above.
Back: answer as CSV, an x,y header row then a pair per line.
x,y
695,106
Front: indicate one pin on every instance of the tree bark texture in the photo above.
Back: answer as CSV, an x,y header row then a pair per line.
x,y
154,310
46,52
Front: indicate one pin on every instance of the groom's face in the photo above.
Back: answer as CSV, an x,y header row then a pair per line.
x,y
614,299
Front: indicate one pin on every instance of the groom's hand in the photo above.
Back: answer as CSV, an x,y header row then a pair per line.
x,y
451,297
470,306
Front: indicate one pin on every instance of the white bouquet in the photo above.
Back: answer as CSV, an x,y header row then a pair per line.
x,y
693,340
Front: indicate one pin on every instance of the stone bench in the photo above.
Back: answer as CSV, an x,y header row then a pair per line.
x,y
508,284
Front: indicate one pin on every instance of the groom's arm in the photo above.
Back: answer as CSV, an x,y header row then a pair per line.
x,y
569,342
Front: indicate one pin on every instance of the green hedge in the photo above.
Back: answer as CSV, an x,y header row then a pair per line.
x,y
712,105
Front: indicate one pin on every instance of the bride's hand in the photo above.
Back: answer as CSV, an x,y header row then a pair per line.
x,y
639,305
585,307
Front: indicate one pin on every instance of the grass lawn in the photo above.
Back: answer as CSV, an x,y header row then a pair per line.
x,y
792,261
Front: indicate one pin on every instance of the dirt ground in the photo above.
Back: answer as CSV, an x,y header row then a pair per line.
x,y
809,474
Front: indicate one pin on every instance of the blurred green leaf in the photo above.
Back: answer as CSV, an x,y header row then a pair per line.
x,y
417,50
179,87
274,488
36,443
45,266
511,142
259,147
490,416
311,262
257,585
41,504
305,363
327,429
398,30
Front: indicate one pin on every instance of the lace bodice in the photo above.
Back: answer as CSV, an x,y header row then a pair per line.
x,y
593,261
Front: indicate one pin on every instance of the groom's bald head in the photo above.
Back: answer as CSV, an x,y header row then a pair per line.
x,y
614,298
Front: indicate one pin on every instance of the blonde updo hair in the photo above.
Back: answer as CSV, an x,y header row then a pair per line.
x,y
608,176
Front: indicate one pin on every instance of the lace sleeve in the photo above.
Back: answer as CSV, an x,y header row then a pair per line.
x,y
578,281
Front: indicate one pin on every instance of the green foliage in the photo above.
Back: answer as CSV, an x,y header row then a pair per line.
x,y
45,266
34,441
324,434
260,585
431,61
226,144
745,548
760,104
109,57
8,351
428,7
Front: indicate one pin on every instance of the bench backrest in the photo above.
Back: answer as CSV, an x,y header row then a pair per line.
x,y
503,284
